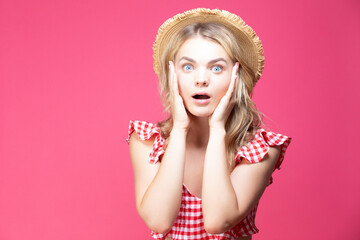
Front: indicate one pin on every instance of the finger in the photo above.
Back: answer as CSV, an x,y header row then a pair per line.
x,y
235,69
234,76
174,81
232,81
171,75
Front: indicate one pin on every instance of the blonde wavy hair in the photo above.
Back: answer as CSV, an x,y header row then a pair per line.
x,y
244,119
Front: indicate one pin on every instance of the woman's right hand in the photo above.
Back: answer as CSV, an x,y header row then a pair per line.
x,y
180,117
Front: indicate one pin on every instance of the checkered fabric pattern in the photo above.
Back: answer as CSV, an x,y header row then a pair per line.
x,y
145,131
189,223
255,150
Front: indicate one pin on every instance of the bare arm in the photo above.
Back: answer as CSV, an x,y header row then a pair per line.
x,y
228,197
158,188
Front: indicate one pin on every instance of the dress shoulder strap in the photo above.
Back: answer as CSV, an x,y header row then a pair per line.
x,y
255,150
145,131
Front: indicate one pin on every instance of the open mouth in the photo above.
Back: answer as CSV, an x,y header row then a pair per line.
x,y
201,96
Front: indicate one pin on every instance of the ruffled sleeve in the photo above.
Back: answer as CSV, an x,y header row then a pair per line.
x,y
255,150
145,131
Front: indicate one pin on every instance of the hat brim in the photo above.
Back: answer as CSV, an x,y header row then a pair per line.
x,y
249,42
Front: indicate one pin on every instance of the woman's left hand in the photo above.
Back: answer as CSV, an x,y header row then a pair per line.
x,y
226,104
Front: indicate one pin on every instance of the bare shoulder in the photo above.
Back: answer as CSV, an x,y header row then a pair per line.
x,y
144,172
273,154
261,170
136,143
250,179
140,149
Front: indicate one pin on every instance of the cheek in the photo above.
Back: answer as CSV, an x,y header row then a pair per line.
x,y
182,84
223,86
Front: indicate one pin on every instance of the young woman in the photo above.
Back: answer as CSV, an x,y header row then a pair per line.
x,y
200,173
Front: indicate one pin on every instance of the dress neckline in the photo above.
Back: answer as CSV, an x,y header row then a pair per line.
x,y
193,195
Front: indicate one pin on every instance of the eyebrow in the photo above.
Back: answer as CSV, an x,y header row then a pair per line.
x,y
212,61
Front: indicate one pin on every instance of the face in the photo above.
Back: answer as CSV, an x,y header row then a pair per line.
x,y
203,70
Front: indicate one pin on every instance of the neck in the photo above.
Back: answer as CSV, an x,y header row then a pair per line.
x,y
198,134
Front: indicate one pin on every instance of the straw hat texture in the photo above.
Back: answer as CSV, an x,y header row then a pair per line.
x,y
253,53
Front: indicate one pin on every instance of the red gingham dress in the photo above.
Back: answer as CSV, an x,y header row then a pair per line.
x,y
189,223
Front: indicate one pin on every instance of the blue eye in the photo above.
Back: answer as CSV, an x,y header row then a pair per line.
x,y
188,67
216,68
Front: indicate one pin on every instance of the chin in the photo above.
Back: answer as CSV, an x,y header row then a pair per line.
x,y
200,114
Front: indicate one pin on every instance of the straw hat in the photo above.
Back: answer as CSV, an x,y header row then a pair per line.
x,y
253,53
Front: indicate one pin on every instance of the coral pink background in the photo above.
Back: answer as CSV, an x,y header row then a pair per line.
x,y
73,73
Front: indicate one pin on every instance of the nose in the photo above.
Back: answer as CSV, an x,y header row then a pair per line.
x,y
202,78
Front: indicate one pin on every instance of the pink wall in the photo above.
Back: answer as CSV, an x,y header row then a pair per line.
x,y
73,73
